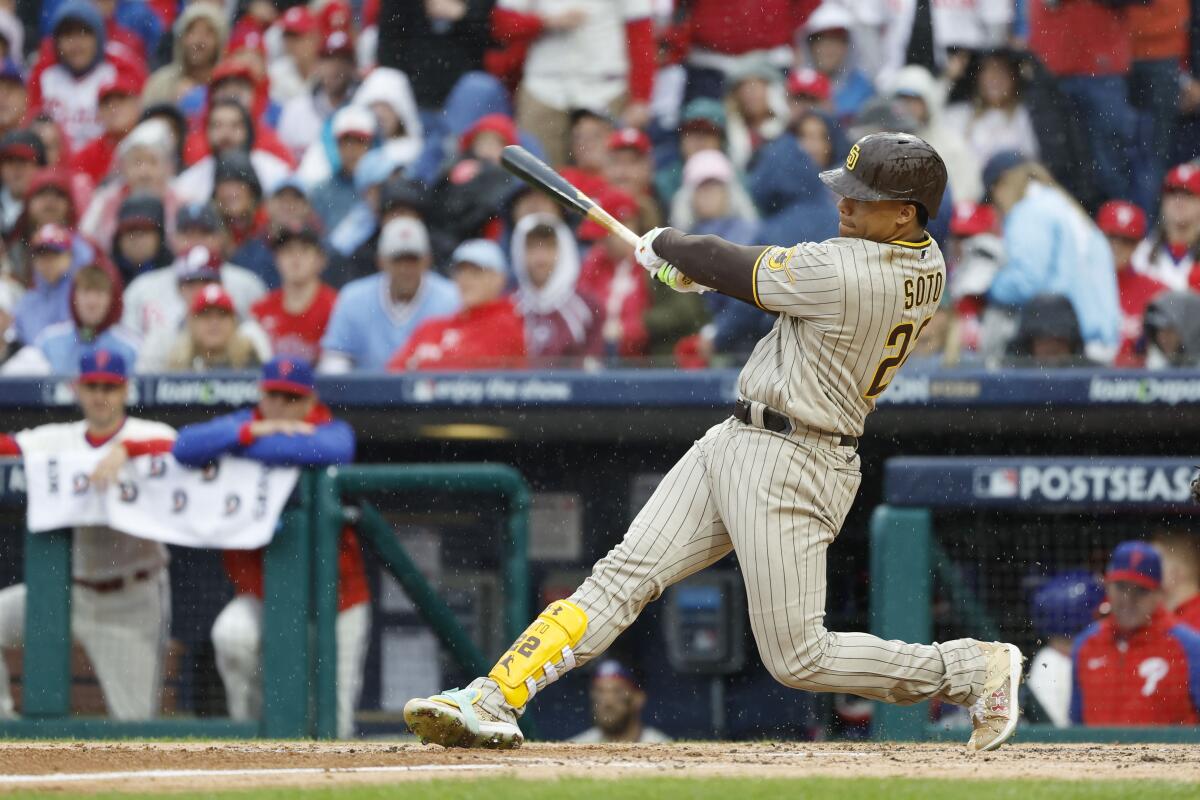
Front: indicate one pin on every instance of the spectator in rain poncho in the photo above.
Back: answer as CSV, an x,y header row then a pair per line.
x,y
199,35
389,96
826,48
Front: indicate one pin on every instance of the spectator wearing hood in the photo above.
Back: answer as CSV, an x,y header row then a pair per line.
x,y
1052,247
145,165
199,36
140,240
240,81
305,116
437,42
389,95
211,339
14,96
757,110
69,87
130,22
238,198
612,53
294,71
1124,224
48,201
612,279
1169,255
630,168
374,317
793,203
991,116
21,155
296,315
918,94
560,324
95,304
52,265
701,127
828,51
1172,330
1048,334
120,111
487,333
229,126
332,197
156,300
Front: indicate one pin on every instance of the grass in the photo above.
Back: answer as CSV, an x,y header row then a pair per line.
x,y
681,788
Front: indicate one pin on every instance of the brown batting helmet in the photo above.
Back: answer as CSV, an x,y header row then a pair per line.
x,y
891,166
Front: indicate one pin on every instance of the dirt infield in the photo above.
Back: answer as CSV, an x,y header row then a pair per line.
x,y
157,766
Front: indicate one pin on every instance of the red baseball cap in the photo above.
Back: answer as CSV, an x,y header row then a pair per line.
x,y
338,43
299,21
1122,219
121,83
247,39
228,69
212,296
631,139
1183,178
972,219
335,16
808,82
616,202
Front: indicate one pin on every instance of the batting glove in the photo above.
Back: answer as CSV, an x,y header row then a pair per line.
x,y
644,253
669,276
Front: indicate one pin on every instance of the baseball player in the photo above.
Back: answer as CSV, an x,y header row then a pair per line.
x,y
121,598
775,481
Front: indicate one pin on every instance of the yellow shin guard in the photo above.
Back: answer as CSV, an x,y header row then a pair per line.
x,y
547,640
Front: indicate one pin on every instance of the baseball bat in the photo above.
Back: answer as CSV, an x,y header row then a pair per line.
x,y
538,174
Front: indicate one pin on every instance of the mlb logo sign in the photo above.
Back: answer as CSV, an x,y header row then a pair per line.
x,y
997,483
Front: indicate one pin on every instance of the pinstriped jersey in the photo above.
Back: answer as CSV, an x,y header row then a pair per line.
x,y
850,311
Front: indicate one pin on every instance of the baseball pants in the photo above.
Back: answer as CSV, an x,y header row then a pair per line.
x,y
237,640
123,632
777,501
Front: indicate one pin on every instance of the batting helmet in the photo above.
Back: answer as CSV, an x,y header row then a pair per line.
x,y
1066,603
891,166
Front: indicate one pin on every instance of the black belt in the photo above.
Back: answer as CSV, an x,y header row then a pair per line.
x,y
774,421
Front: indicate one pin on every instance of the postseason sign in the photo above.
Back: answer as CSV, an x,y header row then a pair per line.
x,y
233,504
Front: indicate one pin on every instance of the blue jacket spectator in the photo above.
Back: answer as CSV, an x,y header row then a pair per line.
x,y
827,45
134,16
354,135
374,316
49,301
795,205
1053,247
288,427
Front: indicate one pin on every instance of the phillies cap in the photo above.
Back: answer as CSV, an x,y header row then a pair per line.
x,y
338,44
1121,219
613,669
197,264
299,21
102,366
1183,178
808,82
630,139
354,121
212,296
287,374
1135,562
54,238
404,236
972,219
482,253
121,83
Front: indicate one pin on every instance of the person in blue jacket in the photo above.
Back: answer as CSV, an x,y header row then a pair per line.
x,y
289,426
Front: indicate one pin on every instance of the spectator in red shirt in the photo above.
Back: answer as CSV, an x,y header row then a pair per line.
x,y
589,137
1139,665
1086,45
1169,253
296,314
1181,575
613,279
120,110
559,323
486,334
1125,224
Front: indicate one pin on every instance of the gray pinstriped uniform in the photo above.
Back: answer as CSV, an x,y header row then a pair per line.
x,y
849,312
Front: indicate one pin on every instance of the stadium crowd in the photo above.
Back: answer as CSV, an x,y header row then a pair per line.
x,y
205,184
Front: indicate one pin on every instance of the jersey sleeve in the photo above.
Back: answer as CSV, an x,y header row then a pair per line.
x,y
806,280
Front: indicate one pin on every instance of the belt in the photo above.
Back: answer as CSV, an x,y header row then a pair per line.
x,y
772,420
115,584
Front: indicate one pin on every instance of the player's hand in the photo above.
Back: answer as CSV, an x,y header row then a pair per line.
x,y
286,427
109,468
672,277
644,253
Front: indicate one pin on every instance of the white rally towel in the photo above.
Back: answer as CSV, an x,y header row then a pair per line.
x,y
233,504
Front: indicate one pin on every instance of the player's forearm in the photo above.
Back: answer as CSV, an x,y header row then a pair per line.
x,y
710,260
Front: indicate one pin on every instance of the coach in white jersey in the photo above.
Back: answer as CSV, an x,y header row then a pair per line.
x,y
775,481
120,601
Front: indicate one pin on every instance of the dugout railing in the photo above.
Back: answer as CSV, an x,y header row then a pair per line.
x,y
953,532
300,569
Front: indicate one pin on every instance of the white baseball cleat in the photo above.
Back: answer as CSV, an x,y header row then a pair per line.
x,y
994,715
457,719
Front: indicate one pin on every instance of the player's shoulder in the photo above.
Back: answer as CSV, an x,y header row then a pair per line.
x,y
1088,639
51,438
138,428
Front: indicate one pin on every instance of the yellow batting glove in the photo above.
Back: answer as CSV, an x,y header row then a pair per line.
x,y
669,276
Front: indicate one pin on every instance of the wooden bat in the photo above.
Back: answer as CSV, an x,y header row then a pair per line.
x,y
538,174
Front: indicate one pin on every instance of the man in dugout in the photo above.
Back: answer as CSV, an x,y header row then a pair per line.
x,y
121,597
289,427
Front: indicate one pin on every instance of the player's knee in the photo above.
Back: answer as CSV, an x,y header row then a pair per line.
x,y
799,667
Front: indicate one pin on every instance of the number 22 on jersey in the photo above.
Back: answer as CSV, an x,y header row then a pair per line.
x,y
917,292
